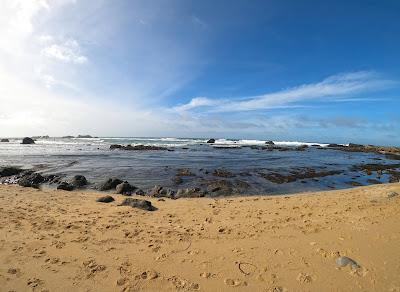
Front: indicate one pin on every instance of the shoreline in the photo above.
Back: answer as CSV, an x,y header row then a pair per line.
x,y
62,241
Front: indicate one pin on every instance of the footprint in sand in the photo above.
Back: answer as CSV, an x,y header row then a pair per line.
x,y
234,283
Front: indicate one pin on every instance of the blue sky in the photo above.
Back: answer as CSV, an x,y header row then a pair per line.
x,y
324,71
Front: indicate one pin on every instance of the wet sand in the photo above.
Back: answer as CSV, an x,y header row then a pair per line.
x,y
65,241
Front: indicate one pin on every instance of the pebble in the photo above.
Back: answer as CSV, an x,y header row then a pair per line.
x,y
344,261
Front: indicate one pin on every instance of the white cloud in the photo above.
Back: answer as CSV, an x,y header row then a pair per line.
x,y
69,52
331,88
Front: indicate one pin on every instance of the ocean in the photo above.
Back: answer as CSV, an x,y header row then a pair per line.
x,y
244,163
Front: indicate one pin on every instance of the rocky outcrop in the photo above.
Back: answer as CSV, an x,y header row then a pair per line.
x,y
211,141
31,180
84,136
184,172
67,137
137,203
366,148
160,192
297,174
4,140
374,167
27,140
137,147
189,193
125,188
270,142
110,184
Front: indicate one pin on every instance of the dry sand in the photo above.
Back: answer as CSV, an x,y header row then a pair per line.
x,y
65,241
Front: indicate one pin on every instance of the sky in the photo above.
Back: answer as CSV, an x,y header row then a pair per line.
x,y
318,71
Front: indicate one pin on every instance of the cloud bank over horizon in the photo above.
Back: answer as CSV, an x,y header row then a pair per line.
x,y
148,68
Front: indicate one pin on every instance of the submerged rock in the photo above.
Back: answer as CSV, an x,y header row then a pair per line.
x,y
110,184
105,199
297,174
138,203
211,141
184,172
222,173
65,186
125,188
32,180
27,140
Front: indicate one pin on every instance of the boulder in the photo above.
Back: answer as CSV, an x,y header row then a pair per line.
x,y
110,184
105,199
31,180
27,140
65,186
78,181
211,141
138,203
125,188
4,140
9,171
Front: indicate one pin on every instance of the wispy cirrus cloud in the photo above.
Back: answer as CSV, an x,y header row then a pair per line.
x,y
334,88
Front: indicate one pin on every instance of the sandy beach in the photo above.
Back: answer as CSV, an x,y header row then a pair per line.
x,y
66,241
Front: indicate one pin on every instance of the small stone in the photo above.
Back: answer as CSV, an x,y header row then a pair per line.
x,y
121,281
105,199
229,282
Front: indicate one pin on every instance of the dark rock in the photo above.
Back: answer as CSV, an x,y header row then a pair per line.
x,y
84,136
354,183
32,180
67,137
297,175
65,186
392,194
394,176
351,145
105,199
211,141
27,140
137,203
78,181
159,192
189,193
139,192
125,188
9,171
138,147
177,180
270,143
373,181
52,178
184,172
222,173
4,140
374,167
333,145
301,147
392,156
116,146
110,184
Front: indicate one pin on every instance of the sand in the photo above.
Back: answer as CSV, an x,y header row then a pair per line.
x,y
65,241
